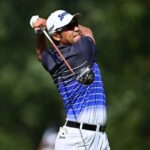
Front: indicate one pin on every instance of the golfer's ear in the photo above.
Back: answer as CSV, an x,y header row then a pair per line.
x,y
56,37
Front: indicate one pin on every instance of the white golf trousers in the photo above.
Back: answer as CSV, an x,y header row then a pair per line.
x,y
79,139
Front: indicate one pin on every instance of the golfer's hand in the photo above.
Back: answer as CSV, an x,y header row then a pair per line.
x,y
36,23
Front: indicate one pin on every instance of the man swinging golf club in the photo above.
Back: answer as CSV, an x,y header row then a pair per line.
x,y
72,65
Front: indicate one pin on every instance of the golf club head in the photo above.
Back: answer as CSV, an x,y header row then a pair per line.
x,y
85,76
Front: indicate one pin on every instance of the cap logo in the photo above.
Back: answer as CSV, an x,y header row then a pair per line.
x,y
61,16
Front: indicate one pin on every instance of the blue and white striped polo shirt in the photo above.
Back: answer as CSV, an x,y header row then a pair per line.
x,y
83,103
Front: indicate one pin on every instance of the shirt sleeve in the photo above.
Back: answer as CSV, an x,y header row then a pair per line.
x,y
48,61
85,47
86,44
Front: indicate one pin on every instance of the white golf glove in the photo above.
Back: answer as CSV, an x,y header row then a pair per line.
x,y
32,21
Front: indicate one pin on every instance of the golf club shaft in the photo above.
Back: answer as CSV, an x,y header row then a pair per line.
x,y
56,48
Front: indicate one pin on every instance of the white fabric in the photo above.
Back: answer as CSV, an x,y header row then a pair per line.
x,y
74,139
93,116
33,19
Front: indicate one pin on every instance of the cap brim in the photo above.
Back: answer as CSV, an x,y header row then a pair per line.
x,y
76,16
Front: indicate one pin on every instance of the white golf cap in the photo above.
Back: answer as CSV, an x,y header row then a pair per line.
x,y
58,19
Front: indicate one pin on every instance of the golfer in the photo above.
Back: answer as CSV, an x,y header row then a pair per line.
x,y
82,91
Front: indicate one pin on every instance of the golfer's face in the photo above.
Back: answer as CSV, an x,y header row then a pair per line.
x,y
71,34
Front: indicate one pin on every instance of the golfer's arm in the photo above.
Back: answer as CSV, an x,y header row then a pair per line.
x,y
86,32
41,45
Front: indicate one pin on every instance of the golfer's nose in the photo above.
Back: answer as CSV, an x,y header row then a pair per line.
x,y
76,28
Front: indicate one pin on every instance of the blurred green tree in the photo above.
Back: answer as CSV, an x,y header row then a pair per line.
x,y
28,98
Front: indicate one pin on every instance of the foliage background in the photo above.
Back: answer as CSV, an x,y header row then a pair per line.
x,y
29,101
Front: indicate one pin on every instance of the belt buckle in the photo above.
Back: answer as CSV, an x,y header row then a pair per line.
x,y
81,125
98,128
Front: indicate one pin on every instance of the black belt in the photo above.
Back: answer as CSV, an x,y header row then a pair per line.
x,y
85,126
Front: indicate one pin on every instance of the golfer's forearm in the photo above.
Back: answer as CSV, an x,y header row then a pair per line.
x,y
86,32
41,45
